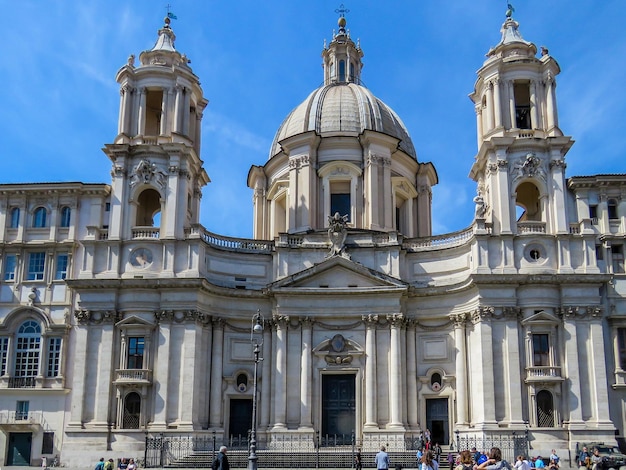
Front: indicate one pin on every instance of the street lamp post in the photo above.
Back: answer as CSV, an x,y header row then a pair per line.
x,y
256,338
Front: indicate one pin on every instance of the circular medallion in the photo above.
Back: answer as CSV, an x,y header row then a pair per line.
x,y
141,258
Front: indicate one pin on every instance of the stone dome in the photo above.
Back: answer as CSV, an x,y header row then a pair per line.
x,y
343,108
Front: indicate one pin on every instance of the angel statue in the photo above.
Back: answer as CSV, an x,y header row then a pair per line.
x,y
337,234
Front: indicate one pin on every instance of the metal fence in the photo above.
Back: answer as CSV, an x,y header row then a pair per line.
x,y
511,445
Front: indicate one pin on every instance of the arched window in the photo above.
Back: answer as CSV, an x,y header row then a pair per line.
x,y
27,350
15,218
545,409
39,217
528,198
149,205
132,411
66,212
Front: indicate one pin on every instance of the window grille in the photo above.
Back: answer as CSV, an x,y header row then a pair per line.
x,y
36,265
27,349
54,357
4,353
62,262
10,264
545,410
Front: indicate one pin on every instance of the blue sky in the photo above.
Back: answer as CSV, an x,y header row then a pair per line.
x,y
258,60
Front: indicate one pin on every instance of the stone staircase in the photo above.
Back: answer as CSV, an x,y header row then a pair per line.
x,y
342,457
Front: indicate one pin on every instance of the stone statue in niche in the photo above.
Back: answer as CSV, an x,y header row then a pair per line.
x,y
481,208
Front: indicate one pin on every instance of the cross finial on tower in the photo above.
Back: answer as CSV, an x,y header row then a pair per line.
x,y
342,11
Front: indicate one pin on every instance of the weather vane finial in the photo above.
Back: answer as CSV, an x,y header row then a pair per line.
x,y
510,10
169,12
342,11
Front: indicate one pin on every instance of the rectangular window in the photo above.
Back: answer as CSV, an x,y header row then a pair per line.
x,y
10,263
47,445
612,209
617,252
521,92
621,346
61,270
340,198
135,352
541,350
4,353
54,357
27,356
593,214
36,265
21,410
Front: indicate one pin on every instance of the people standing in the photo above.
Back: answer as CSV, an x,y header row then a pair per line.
x,y
595,459
451,459
584,458
437,452
382,459
428,462
494,461
44,462
465,461
521,463
131,465
221,461
358,463
100,464
427,438
108,465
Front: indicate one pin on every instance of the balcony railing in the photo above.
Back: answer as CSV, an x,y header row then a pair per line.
x,y
145,232
543,373
22,382
21,417
131,376
531,227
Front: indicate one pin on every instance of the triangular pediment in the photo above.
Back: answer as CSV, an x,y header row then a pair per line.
x,y
339,273
541,318
134,321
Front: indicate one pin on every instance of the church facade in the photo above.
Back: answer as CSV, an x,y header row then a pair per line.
x,y
121,316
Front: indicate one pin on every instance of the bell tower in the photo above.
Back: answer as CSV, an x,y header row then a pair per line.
x,y
520,165
157,173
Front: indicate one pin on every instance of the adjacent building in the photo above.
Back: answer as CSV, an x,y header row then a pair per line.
x,y
121,316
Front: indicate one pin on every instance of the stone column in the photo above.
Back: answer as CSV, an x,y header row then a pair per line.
x,y
280,386
461,368
551,109
81,335
141,119
534,106
164,111
395,369
189,366
103,390
305,374
178,108
479,123
497,102
217,360
514,370
162,369
490,110
512,114
371,418
484,387
411,374
571,367
185,112
597,367
120,116
265,399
